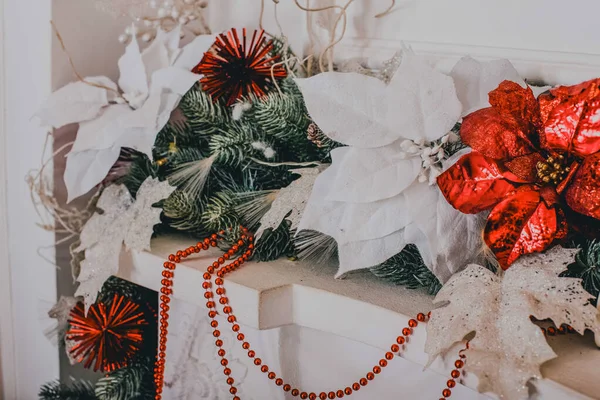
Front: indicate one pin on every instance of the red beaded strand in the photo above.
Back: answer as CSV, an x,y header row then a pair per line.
x,y
245,246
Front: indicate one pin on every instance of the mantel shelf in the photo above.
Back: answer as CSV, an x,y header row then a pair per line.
x,y
362,308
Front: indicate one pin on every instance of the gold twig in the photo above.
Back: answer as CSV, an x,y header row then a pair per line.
x,y
387,11
79,77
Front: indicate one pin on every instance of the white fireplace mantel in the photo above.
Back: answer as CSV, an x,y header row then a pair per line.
x,y
360,312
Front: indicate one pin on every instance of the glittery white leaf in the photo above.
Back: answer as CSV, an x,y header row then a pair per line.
x,y
508,348
123,220
290,201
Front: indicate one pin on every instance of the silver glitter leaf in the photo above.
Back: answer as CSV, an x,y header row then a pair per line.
x,y
290,200
60,312
508,348
122,220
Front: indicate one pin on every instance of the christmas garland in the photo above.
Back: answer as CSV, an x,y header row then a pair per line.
x,y
429,180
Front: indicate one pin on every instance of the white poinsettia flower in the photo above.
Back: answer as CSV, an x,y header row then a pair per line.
x,y
150,86
379,194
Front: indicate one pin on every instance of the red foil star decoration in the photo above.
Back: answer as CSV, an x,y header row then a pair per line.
x,y
109,336
235,68
535,164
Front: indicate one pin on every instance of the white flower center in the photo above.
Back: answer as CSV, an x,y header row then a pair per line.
x,y
431,153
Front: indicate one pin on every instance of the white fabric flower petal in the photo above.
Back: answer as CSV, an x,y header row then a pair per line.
x,y
367,175
133,78
102,132
76,102
474,80
156,57
173,79
142,125
369,253
171,42
352,109
85,169
350,222
192,54
447,239
425,105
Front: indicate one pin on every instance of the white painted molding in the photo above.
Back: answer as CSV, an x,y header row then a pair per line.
x,y
551,67
361,308
8,386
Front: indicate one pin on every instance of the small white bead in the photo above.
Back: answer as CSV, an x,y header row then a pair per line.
x,y
161,13
147,23
192,17
167,3
422,178
146,37
189,1
175,13
406,144
183,20
129,30
445,139
153,3
413,149
123,38
426,151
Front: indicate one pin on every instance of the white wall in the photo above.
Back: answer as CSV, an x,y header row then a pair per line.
x,y
26,83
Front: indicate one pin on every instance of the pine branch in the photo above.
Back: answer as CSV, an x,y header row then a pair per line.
x,y
220,212
77,390
274,243
587,268
130,383
184,212
233,146
408,269
204,117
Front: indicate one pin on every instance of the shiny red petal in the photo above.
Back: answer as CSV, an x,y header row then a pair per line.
x,y
512,99
571,118
521,224
583,192
474,183
495,135
524,167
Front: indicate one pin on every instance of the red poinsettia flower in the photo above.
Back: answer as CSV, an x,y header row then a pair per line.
x,y
533,161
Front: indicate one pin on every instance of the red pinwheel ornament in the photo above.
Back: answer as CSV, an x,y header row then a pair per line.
x,y
534,164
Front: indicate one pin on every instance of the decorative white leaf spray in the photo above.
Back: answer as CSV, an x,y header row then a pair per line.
x,y
508,348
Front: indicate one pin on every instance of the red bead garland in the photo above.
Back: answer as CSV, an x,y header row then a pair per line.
x,y
245,246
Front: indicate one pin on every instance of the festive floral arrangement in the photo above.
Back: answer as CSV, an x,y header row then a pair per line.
x,y
426,178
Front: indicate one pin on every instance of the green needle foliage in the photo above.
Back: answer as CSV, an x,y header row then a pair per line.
x,y
133,382
76,390
275,243
587,268
408,269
